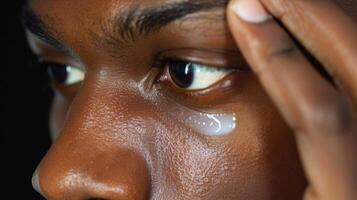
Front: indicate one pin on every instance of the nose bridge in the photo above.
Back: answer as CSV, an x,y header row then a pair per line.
x,y
94,156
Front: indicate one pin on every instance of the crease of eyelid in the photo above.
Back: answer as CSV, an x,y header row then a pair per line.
x,y
235,57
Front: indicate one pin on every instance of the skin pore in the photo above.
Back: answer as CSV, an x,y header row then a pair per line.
x,y
119,116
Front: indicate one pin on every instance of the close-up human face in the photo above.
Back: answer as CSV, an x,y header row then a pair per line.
x,y
154,100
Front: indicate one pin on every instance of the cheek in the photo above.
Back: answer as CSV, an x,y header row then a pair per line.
x,y
257,161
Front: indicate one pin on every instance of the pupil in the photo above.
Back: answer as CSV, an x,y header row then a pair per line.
x,y
182,73
58,72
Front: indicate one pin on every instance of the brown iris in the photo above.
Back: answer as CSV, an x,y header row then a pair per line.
x,y
58,72
182,73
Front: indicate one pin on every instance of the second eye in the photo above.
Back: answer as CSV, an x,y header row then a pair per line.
x,y
64,74
193,76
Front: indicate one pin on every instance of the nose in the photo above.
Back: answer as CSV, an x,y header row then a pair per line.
x,y
123,177
95,156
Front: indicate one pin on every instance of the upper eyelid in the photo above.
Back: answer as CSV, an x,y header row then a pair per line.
x,y
43,50
35,26
47,62
218,58
233,69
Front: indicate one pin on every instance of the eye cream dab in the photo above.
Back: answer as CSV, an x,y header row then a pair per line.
x,y
205,122
212,124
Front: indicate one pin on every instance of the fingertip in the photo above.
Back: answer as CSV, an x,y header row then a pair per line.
x,y
249,11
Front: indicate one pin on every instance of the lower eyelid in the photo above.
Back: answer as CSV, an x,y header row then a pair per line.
x,y
219,93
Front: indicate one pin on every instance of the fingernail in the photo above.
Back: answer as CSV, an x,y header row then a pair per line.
x,y
251,11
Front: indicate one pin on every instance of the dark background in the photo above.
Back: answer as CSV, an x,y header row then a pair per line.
x,y
24,102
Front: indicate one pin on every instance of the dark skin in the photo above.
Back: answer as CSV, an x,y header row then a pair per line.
x,y
115,132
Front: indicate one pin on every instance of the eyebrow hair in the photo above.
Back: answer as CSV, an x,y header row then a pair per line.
x,y
36,26
129,24
136,21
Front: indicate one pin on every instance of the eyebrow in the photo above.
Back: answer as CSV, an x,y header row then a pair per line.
x,y
129,24
136,21
34,23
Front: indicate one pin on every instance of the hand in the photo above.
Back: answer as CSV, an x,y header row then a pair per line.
x,y
322,116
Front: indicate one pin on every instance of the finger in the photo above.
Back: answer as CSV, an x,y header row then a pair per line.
x,y
327,32
318,113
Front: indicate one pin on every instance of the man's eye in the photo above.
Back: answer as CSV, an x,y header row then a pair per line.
x,y
64,74
193,76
